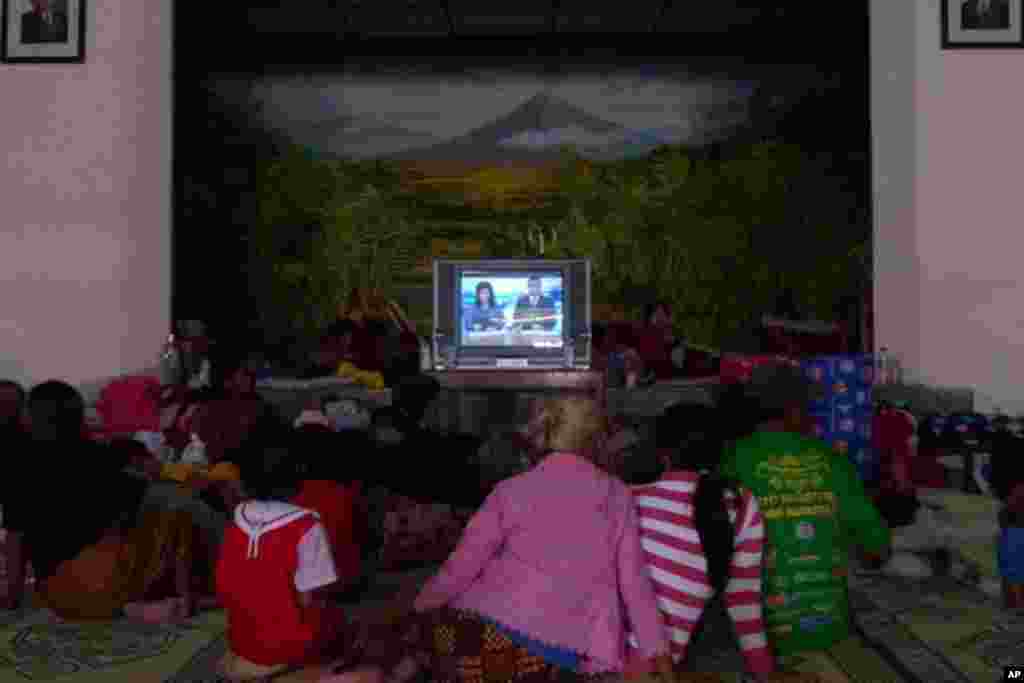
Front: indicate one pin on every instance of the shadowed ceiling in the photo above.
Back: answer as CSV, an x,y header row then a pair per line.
x,y
313,31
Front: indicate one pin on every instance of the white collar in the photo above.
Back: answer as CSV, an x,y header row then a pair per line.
x,y
257,517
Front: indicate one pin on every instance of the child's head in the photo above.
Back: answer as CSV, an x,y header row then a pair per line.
x,y
571,424
271,469
783,393
329,455
696,436
738,413
690,437
56,412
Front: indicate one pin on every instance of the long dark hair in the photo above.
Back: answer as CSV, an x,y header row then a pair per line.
x,y
699,444
490,290
271,469
332,456
738,413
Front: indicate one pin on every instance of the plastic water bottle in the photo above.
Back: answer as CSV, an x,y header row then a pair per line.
x,y
170,362
195,452
426,362
883,366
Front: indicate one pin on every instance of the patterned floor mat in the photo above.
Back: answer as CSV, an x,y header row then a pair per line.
x,y
714,650
934,631
35,647
937,631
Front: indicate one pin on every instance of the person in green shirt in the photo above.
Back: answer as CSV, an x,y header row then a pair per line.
x,y
814,507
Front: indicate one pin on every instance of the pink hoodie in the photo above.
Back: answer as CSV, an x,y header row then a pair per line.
x,y
555,554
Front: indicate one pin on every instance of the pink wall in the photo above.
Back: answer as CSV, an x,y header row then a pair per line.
x,y
85,225
949,203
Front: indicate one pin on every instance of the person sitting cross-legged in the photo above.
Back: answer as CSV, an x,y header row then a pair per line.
x,y
701,535
815,508
97,548
276,568
547,573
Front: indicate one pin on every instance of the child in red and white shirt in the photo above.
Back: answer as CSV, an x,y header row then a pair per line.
x,y
331,489
274,569
701,536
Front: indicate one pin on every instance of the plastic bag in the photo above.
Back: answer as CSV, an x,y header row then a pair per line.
x,y
195,452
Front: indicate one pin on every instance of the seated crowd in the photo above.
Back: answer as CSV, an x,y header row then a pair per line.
x,y
586,564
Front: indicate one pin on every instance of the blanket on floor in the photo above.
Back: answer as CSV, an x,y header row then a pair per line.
x,y
36,647
938,630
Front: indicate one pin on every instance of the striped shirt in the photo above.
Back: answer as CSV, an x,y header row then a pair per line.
x,y
678,569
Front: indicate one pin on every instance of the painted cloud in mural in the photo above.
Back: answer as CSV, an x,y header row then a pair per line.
x,y
495,116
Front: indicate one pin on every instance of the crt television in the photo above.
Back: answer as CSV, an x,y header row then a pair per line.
x,y
511,314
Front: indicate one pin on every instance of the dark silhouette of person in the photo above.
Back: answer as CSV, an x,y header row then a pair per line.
x,y
535,306
984,15
44,24
485,313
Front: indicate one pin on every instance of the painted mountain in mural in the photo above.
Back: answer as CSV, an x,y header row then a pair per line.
x,y
535,132
358,137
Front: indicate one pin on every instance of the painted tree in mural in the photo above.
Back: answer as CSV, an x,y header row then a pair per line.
x,y
326,227
716,237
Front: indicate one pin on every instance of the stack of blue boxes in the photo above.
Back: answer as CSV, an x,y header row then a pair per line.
x,y
843,413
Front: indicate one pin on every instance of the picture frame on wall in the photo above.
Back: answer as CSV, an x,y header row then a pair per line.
x,y
43,31
982,24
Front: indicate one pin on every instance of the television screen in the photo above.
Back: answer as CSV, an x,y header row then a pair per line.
x,y
502,309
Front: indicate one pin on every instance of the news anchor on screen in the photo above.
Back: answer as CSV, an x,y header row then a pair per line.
x,y
534,306
485,315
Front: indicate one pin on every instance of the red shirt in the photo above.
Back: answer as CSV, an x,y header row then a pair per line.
x,y
266,624
336,504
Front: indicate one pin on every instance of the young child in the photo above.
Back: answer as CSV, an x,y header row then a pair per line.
x,y
275,564
702,536
333,492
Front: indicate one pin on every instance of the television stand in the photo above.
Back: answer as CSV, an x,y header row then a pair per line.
x,y
482,401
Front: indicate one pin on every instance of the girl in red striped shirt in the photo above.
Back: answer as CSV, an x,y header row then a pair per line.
x,y
701,536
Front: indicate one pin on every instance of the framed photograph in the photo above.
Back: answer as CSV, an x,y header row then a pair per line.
x,y
42,31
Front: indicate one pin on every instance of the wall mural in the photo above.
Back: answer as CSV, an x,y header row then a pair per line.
x,y
386,169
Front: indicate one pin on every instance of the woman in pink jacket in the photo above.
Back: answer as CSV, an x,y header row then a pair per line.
x,y
549,571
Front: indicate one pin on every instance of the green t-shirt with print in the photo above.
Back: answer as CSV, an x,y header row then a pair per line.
x,y
815,508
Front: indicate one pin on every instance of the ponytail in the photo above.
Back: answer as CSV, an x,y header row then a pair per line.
x,y
716,532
